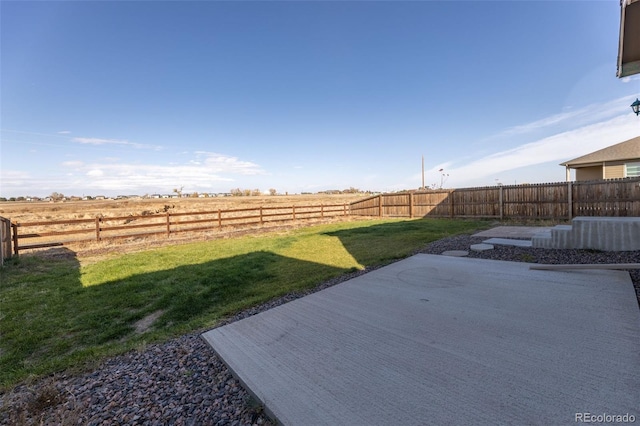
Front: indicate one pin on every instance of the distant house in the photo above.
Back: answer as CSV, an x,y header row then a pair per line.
x,y
616,161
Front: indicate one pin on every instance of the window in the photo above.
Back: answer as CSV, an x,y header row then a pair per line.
x,y
633,169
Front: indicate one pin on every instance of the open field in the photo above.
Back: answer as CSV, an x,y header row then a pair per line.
x,y
61,312
92,225
42,210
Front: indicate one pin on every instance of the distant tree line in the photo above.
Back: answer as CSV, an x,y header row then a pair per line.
x,y
55,196
350,190
236,192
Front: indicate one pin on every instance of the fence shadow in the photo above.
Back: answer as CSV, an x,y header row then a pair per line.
x,y
215,288
57,314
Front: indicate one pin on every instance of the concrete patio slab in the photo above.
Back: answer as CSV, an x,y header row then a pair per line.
x,y
508,242
512,232
445,340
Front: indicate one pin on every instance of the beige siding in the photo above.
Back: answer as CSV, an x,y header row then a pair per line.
x,y
614,171
589,173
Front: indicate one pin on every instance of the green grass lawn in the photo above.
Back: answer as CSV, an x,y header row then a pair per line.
x,y
56,314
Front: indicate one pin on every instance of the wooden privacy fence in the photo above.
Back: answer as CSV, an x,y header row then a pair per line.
x,y
559,201
33,235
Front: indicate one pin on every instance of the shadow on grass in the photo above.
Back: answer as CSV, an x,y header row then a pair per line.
x,y
209,290
51,322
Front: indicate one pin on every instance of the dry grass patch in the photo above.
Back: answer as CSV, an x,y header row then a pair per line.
x,y
145,324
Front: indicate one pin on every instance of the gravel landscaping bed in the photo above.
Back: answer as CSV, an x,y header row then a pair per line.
x,y
183,382
539,255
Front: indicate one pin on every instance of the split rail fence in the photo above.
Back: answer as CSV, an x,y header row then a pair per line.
x,y
558,201
19,236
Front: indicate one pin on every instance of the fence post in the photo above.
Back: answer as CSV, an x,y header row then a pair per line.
x,y
322,210
261,215
5,239
14,227
294,212
168,224
570,199
380,205
97,228
501,201
219,219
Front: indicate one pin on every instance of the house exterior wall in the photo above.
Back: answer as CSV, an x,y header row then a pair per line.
x,y
614,171
589,173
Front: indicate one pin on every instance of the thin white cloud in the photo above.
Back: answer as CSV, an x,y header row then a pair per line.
x,y
100,141
218,163
64,132
26,132
221,163
22,183
630,78
545,122
133,177
13,177
95,173
572,118
116,177
559,147
195,175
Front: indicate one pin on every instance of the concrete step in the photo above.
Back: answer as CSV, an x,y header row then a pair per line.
x,y
562,237
542,240
508,242
607,233
596,233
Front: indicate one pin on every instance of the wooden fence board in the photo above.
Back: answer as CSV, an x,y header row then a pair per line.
x,y
558,201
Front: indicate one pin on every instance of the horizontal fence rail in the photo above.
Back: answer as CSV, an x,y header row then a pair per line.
x,y
559,201
42,234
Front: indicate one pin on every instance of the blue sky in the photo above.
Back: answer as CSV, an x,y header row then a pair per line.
x,y
108,98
